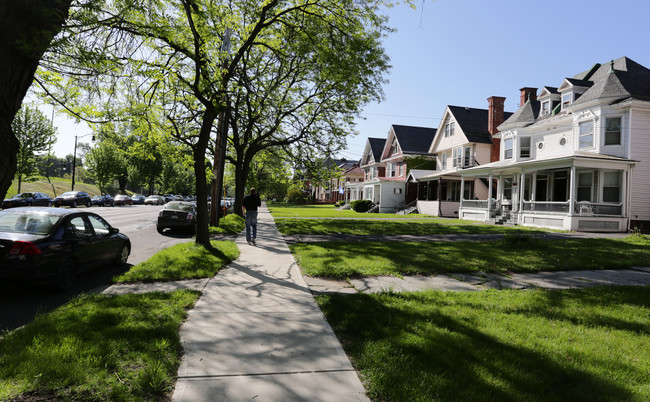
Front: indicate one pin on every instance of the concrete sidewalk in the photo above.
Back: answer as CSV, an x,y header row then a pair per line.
x,y
256,333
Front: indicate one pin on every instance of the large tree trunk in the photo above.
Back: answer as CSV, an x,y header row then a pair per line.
x,y
28,27
242,168
200,148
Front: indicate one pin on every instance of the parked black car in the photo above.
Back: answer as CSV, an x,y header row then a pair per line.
x,y
177,215
27,199
56,244
72,199
105,200
138,199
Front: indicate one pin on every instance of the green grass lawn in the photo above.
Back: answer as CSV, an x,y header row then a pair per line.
x,y
512,254
288,226
230,224
574,345
182,261
97,347
281,210
56,186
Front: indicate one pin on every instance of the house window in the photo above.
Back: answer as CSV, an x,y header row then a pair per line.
x,y
546,107
611,187
586,134
444,161
400,169
449,129
397,191
468,190
613,131
457,155
507,148
524,147
390,169
585,181
566,101
507,188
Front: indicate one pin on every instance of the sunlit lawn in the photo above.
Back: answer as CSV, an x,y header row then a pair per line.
x,y
281,210
97,347
182,261
288,226
575,345
513,254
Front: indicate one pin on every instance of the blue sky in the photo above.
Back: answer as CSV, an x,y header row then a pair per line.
x,y
461,52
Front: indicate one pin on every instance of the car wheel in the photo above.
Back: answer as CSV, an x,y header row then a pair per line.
x,y
65,275
159,229
49,204
123,255
88,204
74,204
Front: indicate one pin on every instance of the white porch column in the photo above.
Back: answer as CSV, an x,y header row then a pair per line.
x,y
462,190
533,187
489,195
572,191
624,194
522,184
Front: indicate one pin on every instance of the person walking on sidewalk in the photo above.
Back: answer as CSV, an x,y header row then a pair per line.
x,y
249,210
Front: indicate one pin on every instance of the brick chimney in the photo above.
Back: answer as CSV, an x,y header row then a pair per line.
x,y
527,93
495,118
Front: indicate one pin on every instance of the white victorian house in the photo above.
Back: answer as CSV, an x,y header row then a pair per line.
x,y
576,157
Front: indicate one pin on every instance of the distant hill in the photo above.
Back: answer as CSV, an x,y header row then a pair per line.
x,y
57,186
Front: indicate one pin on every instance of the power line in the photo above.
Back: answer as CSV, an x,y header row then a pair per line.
x,y
404,116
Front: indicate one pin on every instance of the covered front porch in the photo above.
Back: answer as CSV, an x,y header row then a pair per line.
x,y
440,195
577,193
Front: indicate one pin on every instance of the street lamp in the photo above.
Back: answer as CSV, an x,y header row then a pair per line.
x,y
74,156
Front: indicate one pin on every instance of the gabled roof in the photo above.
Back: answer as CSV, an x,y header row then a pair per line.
x,y
549,90
526,114
617,80
374,146
377,146
354,171
414,140
474,123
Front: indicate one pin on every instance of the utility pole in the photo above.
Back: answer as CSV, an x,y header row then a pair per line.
x,y
220,148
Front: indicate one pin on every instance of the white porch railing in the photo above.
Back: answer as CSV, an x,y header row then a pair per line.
x,y
547,206
591,208
480,204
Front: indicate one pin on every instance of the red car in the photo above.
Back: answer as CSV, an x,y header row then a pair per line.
x,y
122,200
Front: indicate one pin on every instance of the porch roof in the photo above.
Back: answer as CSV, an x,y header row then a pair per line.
x,y
581,158
415,174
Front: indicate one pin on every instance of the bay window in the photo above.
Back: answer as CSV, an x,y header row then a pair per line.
x,y
613,131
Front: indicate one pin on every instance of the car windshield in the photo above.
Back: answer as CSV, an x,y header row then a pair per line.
x,y
177,206
23,195
98,197
68,194
27,222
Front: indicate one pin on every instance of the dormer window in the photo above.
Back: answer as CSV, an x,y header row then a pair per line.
x,y
546,107
449,129
566,100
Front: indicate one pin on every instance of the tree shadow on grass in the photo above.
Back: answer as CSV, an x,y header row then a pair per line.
x,y
441,353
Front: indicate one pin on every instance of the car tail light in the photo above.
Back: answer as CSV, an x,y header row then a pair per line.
x,y
189,216
160,213
24,248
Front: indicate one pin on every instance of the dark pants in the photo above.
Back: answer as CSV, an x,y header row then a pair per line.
x,y
251,225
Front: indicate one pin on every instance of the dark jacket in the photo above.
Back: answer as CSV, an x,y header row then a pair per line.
x,y
251,202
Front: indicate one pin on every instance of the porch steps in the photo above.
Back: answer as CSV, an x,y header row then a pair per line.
x,y
407,211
